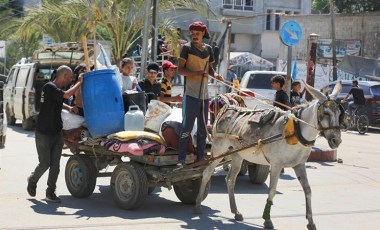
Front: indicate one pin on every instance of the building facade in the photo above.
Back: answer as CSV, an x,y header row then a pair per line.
x,y
255,23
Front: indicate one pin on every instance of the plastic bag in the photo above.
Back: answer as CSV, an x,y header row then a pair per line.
x,y
156,114
71,121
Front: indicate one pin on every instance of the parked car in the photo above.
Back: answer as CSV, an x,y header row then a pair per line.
x,y
372,96
257,83
22,91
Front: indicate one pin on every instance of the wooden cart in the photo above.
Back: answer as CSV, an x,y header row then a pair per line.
x,y
134,176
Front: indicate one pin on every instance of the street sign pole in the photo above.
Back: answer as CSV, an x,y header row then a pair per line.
x,y
289,71
290,35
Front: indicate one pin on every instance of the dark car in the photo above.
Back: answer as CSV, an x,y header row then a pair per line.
x,y
372,97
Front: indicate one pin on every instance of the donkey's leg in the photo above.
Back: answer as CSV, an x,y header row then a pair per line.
x,y
230,181
206,176
274,175
300,171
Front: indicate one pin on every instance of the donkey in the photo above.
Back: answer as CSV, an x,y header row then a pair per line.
x,y
234,129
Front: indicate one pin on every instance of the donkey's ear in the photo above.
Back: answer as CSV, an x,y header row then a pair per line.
x,y
336,91
315,93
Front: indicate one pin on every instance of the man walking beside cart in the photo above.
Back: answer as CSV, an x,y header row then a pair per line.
x,y
49,137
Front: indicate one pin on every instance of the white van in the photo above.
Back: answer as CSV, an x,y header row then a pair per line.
x,y
23,87
257,84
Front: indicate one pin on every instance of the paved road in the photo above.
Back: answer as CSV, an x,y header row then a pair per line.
x,y
345,196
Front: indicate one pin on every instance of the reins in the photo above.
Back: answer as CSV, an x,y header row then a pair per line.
x,y
261,101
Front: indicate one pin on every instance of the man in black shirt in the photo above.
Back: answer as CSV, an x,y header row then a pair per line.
x,y
48,136
150,85
357,94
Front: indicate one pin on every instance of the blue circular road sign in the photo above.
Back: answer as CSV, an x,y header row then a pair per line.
x,y
291,33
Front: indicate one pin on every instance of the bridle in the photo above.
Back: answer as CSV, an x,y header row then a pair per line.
x,y
320,115
334,107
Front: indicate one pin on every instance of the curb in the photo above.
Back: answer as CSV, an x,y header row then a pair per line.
x,y
322,154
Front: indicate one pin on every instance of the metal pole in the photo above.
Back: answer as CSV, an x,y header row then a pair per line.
x,y
154,51
289,71
226,51
144,53
5,57
333,46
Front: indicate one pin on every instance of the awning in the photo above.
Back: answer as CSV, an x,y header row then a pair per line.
x,y
249,60
361,67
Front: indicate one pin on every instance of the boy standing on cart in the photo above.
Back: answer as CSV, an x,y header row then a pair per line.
x,y
195,63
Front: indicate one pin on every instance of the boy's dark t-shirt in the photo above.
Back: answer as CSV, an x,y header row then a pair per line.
x,y
295,98
281,97
49,119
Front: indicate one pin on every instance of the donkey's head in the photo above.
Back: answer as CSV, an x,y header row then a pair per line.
x,y
330,114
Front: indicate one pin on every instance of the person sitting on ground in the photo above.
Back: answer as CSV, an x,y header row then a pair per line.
x,y
357,94
129,82
150,85
168,69
295,94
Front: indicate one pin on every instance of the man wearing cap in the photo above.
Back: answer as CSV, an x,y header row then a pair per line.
x,y
150,85
195,63
168,69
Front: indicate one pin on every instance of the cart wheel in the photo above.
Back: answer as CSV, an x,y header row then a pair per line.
x,y
151,189
187,191
243,169
258,173
129,185
80,176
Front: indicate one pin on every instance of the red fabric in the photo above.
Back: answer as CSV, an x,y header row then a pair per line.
x,y
168,64
200,26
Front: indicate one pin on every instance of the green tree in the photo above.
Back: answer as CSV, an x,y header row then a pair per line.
x,y
347,6
120,21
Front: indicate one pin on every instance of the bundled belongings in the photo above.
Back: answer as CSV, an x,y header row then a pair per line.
x,y
171,129
156,114
217,103
138,143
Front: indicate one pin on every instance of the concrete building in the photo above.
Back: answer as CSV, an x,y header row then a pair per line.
x,y
255,23
355,34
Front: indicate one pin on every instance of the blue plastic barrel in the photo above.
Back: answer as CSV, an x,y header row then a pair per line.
x,y
102,103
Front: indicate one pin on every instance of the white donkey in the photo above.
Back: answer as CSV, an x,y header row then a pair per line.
x,y
283,141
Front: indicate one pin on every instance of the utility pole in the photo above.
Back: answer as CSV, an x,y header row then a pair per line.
x,y
144,53
332,9
226,51
154,51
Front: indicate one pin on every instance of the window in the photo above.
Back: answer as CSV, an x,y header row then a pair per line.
x,y
232,38
238,4
277,25
269,12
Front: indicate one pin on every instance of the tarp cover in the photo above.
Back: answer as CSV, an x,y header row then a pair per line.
x,y
365,67
250,60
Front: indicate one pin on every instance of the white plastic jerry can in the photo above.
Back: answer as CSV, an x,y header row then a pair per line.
x,y
134,119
